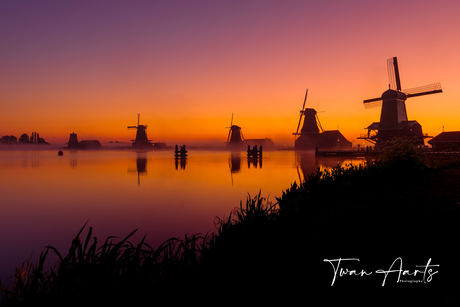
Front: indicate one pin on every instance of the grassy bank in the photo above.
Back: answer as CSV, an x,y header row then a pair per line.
x,y
393,215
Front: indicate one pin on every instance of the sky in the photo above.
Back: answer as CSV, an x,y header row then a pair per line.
x,y
91,67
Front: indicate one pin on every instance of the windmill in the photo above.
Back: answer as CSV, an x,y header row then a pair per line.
x,y
235,136
310,136
393,117
311,123
313,137
141,140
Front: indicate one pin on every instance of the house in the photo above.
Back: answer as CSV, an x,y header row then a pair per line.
x,y
73,143
446,141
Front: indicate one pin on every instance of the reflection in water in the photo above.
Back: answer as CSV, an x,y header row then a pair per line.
x,y
30,159
180,157
73,157
141,163
306,162
141,167
255,161
180,162
254,156
97,186
235,162
309,163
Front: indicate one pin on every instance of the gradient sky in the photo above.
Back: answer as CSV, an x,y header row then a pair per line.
x,y
90,67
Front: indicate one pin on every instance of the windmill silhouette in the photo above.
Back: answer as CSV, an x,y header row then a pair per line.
x,y
311,123
393,117
235,136
312,136
141,140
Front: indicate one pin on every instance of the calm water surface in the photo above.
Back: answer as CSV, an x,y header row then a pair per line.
x,y
45,199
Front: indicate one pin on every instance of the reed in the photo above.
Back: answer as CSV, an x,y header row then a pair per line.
x,y
113,272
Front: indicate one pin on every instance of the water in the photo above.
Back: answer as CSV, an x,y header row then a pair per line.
x,y
45,199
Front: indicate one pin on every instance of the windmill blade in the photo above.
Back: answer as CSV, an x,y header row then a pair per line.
x,y
373,104
398,80
305,100
319,123
423,90
393,74
301,112
129,127
298,125
228,137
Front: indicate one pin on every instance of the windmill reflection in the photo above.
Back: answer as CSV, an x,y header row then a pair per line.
x,y
235,163
141,166
306,164
254,159
73,158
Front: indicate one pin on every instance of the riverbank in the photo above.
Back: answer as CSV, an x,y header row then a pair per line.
x,y
395,224
392,222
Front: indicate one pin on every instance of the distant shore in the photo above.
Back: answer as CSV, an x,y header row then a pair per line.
x,y
123,146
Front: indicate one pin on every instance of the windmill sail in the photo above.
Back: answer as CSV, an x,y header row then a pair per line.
x,y
373,103
412,92
395,84
393,74
319,123
230,129
423,90
301,113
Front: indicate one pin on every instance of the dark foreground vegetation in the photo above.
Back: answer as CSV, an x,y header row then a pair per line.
x,y
397,218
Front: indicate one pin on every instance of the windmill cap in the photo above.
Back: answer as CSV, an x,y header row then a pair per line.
x,y
392,94
310,111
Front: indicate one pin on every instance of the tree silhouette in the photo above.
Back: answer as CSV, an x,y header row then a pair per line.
x,y
8,139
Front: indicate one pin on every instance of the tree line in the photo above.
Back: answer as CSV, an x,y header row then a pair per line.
x,y
34,138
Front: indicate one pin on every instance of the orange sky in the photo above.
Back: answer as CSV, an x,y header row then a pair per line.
x,y
90,67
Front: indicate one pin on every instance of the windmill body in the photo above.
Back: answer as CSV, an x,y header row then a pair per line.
x,y
309,135
393,109
141,140
235,137
394,122
310,124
